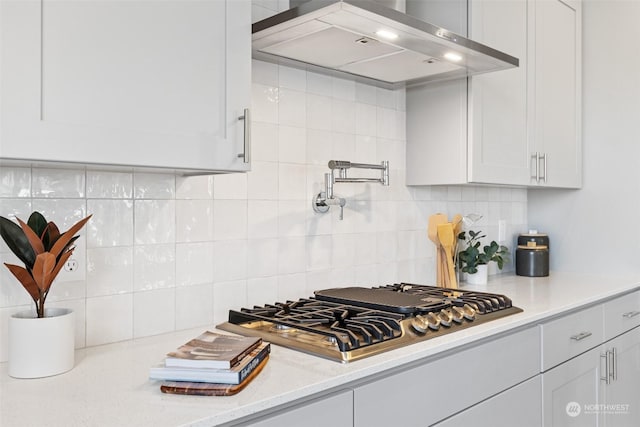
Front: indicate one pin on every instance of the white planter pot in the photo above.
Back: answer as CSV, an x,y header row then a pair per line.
x,y
41,347
479,278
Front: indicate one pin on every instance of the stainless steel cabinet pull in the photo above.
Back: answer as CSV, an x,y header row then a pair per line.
x,y
247,135
581,336
614,364
605,377
630,314
535,157
544,168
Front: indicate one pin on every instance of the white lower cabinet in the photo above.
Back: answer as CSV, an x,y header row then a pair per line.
x,y
428,393
334,411
622,395
520,405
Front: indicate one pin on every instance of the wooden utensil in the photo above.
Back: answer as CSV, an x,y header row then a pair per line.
x,y
432,232
445,235
457,228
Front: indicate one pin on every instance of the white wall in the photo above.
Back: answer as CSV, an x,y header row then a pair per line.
x,y
164,253
595,229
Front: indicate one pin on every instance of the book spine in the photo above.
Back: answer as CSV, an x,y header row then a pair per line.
x,y
246,351
246,371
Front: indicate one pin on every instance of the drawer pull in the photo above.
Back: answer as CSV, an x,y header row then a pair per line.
x,y
631,314
581,336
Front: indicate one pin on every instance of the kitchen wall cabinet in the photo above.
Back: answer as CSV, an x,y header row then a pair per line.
x,y
507,127
335,411
151,84
428,393
555,88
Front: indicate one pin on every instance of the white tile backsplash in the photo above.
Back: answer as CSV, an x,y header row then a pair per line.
x,y
165,252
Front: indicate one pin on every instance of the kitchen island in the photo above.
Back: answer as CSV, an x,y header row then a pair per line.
x,y
109,385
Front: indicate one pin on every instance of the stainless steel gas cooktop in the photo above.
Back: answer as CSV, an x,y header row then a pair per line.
x,y
346,324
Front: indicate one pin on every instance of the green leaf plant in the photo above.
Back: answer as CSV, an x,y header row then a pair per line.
x,y
473,255
43,250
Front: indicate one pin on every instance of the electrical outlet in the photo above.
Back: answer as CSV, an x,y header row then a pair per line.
x,y
71,265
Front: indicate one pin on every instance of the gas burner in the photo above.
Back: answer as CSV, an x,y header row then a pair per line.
x,y
346,324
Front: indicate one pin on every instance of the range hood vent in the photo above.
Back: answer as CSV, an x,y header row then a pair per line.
x,y
371,42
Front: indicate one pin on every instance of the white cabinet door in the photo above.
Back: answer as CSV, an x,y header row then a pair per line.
x,y
556,92
622,394
567,388
333,411
520,405
154,83
472,130
497,142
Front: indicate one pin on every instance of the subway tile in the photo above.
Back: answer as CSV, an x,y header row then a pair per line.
x,y
262,258
291,218
194,220
292,287
194,263
194,187
292,108
229,260
109,185
262,290
109,271
292,181
366,94
194,306
154,221
343,116
292,145
291,255
154,267
264,73
365,119
263,181
154,186
111,223
118,309
319,148
15,182
318,112
230,219
319,252
264,142
57,183
343,251
262,219
319,84
227,296
231,186
292,78
264,103
343,89
154,312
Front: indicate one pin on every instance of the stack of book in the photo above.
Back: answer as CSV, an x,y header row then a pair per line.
x,y
212,364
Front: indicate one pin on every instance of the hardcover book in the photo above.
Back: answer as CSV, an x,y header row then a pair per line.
x,y
212,350
209,389
235,375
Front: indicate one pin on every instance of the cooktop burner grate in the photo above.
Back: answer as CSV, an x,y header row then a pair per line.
x,y
346,324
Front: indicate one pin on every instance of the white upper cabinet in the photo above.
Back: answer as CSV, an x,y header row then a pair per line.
x,y
510,126
157,83
555,66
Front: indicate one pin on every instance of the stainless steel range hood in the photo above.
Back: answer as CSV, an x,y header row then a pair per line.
x,y
371,42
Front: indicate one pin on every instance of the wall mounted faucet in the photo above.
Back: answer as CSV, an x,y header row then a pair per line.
x,y
325,199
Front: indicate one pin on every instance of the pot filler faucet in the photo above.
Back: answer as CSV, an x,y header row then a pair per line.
x,y
325,199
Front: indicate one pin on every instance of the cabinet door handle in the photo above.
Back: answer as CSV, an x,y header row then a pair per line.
x,y
631,314
535,157
614,364
581,336
543,157
605,377
246,117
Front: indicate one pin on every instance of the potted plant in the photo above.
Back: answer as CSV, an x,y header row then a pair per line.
x,y
474,259
41,341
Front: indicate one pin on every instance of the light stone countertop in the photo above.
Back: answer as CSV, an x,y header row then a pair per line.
x,y
109,385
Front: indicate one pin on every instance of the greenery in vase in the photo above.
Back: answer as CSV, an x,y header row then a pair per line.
x,y
42,248
473,255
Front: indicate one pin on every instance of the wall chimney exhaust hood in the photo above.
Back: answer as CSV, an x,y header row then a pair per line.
x,y
370,42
